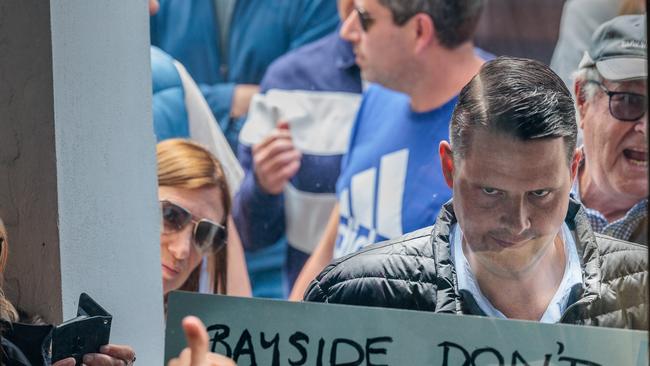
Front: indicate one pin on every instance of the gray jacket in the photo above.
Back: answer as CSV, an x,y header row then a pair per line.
x,y
416,272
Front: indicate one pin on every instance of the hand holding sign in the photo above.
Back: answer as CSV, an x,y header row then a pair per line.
x,y
276,159
196,354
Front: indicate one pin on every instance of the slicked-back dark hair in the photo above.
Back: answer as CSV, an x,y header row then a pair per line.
x,y
517,97
455,20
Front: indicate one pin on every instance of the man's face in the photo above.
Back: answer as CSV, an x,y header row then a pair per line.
x,y
382,51
510,197
615,151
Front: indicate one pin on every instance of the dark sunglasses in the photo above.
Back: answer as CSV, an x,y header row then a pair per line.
x,y
625,106
364,18
208,237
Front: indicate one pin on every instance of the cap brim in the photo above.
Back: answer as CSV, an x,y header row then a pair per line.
x,y
620,69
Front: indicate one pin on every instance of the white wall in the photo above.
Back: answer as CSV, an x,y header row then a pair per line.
x,y
106,169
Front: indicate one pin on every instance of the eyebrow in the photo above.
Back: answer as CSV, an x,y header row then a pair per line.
x,y
481,186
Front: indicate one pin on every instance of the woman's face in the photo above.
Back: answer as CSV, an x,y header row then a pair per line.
x,y
179,257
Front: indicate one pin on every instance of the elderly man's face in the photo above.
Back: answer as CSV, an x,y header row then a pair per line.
x,y
510,198
615,151
382,49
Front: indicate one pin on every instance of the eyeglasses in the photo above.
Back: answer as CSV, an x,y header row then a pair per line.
x,y
208,237
364,18
625,106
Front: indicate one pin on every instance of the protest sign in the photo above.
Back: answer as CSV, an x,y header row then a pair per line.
x,y
272,332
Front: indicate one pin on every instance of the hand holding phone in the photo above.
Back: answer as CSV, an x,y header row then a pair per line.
x,y
83,334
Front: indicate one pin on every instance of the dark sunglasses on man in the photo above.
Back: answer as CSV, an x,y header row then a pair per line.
x,y
207,236
624,106
364,18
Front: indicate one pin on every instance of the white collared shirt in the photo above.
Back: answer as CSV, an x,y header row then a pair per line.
x,y
560,301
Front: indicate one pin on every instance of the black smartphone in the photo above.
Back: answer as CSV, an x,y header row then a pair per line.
x,y
85,333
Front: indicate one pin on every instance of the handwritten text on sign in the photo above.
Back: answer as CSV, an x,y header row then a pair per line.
x,y
271,332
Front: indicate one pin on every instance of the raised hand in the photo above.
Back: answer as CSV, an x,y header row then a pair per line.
x,y
276,159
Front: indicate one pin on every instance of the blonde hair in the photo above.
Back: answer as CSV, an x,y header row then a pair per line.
x,y
7,311
185,164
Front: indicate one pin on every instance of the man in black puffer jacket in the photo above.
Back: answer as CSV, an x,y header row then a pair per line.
x,y
510,244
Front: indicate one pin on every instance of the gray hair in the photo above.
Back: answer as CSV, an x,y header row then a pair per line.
x,y
455,21
588,90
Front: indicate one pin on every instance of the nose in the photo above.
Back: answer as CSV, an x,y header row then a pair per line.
x,y
642,125
179,244
516,218
350,28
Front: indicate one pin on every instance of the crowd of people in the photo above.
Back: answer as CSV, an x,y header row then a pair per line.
x,y
300,133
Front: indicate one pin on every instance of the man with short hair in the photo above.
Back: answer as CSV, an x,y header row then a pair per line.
x,y
511,243
389,182
611,99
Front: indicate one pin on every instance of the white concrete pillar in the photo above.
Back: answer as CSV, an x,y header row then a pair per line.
x,y
77,164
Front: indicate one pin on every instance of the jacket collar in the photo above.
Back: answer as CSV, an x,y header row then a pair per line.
x,y
586,245
448,299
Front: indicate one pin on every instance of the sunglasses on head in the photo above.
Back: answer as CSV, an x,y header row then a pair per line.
x,y
207,236
364,18
625,106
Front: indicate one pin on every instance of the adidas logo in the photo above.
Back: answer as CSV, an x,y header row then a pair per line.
x,y
371,208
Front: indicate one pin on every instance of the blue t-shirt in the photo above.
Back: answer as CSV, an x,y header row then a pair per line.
x,y
391,180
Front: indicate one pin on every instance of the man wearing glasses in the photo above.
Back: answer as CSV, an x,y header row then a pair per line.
x,y
417,55
611,99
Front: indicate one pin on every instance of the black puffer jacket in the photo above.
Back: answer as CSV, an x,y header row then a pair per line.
x,y
416,272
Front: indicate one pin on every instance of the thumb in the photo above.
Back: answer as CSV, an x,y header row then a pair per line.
x,y
197,339
282,125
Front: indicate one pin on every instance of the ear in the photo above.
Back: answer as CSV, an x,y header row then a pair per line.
x,y
447,162
424,30
575,163
581,104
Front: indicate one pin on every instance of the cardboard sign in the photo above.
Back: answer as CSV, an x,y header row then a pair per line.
x,y
271,332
